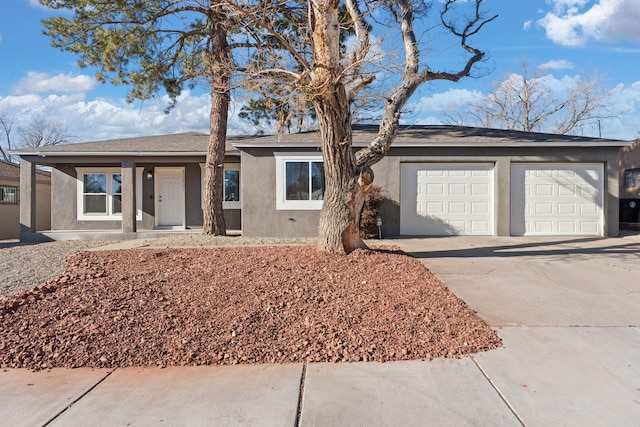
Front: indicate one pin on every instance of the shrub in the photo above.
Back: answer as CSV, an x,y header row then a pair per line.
x,y
372,203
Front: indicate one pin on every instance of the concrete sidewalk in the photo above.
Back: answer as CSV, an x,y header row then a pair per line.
x,y
567,311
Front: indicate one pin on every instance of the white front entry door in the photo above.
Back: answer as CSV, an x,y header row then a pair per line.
x,y
169,200
439,199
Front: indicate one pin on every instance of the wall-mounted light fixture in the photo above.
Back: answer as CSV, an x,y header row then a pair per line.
x,y
150,174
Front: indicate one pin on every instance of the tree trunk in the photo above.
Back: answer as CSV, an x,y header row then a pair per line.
x,y
339,226
213,188
338,229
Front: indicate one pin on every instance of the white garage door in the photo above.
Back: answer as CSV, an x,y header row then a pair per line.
x,y
556,199
439,199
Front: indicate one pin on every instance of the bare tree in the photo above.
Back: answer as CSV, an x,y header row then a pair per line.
x,y
5,146
528,102
333,77
41,132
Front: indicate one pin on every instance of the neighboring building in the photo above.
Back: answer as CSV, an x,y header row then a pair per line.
x,y
630,185
10,200
438,180
630,171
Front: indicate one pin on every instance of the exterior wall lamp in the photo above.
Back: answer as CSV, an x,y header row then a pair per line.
x,y
150,174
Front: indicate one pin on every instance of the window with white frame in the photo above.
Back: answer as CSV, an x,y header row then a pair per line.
x,y
632,178
231,189
299,181
100,193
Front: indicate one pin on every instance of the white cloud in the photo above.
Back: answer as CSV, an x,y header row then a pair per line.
x,y
36,3
449,100
44,83
557,64
100,119
569,24
526,25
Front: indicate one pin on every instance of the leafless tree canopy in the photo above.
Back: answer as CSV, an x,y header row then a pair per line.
x,y
526,101
40,132
6,123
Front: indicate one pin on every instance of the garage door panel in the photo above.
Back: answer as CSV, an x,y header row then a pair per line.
x,y
588,209
590,227
543,208
567,190
437,189
544,190
457,189
567,227
480,189
434,207
481,226
457,208
566,209
479,207
556,199
456,199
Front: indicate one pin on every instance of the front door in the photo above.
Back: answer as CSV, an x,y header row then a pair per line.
x,y
169,200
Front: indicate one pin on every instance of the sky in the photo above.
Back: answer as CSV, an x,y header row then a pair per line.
x,y
563,37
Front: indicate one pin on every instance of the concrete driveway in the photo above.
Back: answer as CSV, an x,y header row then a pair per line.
x,y
539,281
567,310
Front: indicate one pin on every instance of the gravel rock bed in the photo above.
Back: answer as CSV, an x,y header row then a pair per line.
x,y
198,239
27,265
236,305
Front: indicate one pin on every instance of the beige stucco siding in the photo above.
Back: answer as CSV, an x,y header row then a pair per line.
x,y
259,214
10,213
260,217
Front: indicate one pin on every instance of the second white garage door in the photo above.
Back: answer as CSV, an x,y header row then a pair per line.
x,y
558,199
446,199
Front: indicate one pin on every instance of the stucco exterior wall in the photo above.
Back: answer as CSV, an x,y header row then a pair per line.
x,y
260,217
65,203
10,213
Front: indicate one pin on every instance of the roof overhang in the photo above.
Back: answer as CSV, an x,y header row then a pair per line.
x,y
109,153
484,144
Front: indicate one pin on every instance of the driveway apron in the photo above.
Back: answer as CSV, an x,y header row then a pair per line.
x,y
568,312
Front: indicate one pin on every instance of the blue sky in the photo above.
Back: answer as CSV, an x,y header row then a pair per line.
x,y
566,37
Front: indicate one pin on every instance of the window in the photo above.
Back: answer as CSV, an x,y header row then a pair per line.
x,y
631,178
9,195
231,186
231,196
299,181
100,194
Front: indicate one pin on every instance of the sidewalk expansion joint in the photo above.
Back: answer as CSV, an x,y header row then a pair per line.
x,y
303,379
502,396
79,398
